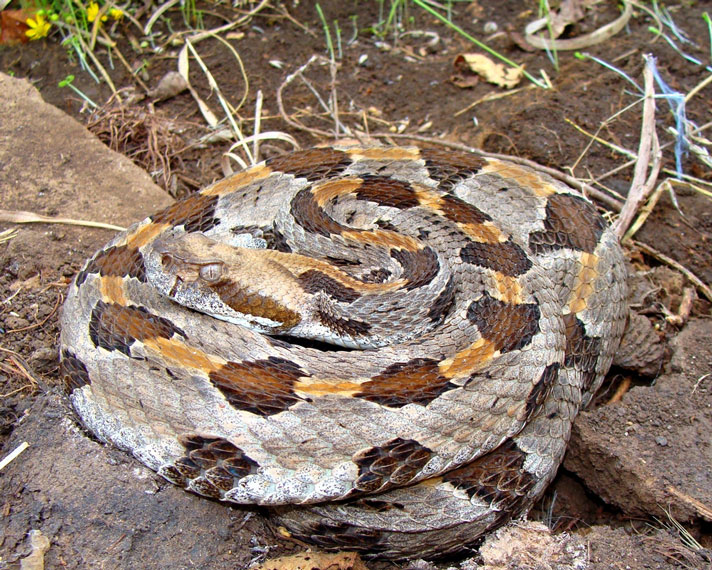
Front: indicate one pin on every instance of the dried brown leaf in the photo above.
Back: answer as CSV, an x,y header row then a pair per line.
x,y
490,71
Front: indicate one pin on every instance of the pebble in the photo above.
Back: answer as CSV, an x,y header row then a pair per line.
x,y
661,441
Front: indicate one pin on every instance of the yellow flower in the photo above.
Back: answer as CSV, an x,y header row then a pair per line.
x,y
93,12
39,27
116,13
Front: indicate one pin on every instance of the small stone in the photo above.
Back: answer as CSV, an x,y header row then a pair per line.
x,y
44,355
661,441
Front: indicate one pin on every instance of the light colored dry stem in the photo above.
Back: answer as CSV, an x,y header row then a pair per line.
x,y
642,184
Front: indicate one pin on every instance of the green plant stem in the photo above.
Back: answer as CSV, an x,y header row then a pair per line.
x,y
545,10
66,83
479,44
706,18
327,33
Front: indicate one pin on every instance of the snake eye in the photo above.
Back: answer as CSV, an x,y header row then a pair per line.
x,y
211,272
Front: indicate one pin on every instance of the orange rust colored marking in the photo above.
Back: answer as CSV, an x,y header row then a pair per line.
x,y
523,177
484,233
112,290
387,153
584,284
470,359
144,235
322,387
248,302
333,188
509,289
297,265
184,355
427,198
238,180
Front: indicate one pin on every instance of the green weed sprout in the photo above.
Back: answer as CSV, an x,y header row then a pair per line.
x,y
327,32
67,82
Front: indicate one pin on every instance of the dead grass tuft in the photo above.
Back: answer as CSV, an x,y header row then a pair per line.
x,y
148,138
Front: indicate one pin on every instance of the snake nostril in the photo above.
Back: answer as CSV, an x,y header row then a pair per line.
x,y
166,261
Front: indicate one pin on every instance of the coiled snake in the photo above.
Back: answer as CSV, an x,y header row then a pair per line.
x,y
386,346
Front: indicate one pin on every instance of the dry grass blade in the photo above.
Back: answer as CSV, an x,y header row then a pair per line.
x,y
184,70
7,235
228,109
267,135
23,217
162,9
330,109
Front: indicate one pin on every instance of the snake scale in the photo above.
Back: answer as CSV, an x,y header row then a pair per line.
x,y
384,346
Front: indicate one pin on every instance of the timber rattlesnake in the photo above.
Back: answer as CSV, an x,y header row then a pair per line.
x,y
461,310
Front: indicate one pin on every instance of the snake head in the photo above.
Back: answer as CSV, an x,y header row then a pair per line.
x,y
190,258
230,283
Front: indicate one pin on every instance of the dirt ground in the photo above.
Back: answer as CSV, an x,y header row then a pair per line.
x,y
640,458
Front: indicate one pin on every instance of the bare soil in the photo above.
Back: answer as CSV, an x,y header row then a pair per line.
x,y
633,460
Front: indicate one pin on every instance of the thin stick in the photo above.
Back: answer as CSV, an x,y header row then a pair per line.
x,y
60,298
640,186
701,285
699,87
13,455
23,217
280,102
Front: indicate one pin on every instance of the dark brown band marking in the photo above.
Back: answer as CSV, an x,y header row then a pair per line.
x,y
262,387
313,281
73,372
508,327
331,535
581,350
195,212
419,267
387,192
313,164
246,302
461,212
395,463
450,167
343,326
378,275
415,382
116,327
506,258
571,222
309,215
443,302
212,465
542,389
497,478
115,261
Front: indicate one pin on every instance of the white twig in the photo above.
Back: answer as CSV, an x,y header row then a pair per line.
x,y
13,454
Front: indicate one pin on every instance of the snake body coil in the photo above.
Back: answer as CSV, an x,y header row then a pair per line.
x,y
386,346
